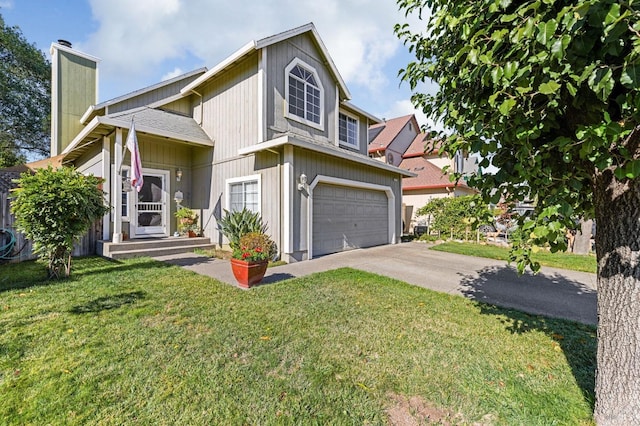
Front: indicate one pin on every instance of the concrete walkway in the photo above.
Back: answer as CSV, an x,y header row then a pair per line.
x,y
553,292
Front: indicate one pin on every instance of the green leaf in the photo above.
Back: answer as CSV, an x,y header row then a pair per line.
x,y
549,87
630,77
613,14
559,46
546,30
601,82
506,106
473,56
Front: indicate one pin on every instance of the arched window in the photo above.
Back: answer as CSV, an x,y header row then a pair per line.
x,y
305,95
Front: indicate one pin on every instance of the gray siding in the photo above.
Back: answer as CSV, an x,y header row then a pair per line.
x,y
230,108
211,192
313,164
279,56
152,96
90,163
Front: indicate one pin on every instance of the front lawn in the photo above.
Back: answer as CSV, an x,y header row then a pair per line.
x,y
145,343
575,262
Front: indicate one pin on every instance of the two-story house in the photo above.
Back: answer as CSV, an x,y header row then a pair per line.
x,y
269,128
400,142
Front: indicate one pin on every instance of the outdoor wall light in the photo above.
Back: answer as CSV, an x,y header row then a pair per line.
x,y
303,182
178,197
178,175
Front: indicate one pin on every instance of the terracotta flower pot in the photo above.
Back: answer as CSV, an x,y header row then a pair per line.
x,y
248,273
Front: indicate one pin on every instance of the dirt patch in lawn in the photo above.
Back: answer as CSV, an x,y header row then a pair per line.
x,y
415,411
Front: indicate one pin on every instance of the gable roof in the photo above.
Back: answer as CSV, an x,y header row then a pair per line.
x,y
422,145
254,46
94,110
386,132
429,176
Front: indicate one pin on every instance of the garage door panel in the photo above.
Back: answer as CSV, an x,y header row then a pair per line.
x,y
346,218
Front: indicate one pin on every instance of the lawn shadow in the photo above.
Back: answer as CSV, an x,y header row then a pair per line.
x,y
108,302
191,259
522,301
275,278
24,275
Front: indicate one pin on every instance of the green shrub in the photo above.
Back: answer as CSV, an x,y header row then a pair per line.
x,y
235,224
54,208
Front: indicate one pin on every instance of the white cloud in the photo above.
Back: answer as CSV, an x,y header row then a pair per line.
x,y
174,73
134,38
8,4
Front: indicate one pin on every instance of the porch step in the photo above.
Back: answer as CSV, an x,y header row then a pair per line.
x,y
152,247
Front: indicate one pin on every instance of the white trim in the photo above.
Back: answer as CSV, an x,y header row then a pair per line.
x,y
240,179
334,152
106,175
268,41
344,143
117,189
244,50
55,75
287,75
166,206
351,184
287,189
372,118
262,95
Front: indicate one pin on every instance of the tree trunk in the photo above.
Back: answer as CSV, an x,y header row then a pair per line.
x,y
582,241
617,206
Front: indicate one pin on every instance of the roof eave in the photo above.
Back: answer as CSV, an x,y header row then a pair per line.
x,y
288,140
233,58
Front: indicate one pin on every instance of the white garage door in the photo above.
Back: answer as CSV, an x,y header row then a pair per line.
x,y
345,218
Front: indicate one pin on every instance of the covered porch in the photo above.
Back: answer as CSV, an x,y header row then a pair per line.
x,y
168,142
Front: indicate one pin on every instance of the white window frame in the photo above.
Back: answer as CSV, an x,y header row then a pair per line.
x,y
348,116
244,179
125,195
287,76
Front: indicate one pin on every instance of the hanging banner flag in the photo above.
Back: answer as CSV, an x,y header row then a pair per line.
x,y
136,163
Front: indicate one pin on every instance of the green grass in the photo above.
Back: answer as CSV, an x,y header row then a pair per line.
x,y
142,342
575,262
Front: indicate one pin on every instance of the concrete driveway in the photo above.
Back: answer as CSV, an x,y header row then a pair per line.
x,y
553,292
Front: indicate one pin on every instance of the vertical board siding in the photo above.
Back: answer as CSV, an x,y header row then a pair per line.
x,y
230,108
279,56
266,165
146,98
76,92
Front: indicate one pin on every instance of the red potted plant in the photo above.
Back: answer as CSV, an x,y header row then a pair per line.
x,y
250,258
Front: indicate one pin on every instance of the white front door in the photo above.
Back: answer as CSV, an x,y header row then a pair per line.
x,y
151,208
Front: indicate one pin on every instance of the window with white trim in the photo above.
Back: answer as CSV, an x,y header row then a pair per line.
x,y
244,193
125,194
348,130
304,93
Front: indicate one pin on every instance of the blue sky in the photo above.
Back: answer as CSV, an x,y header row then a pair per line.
x,y
143,42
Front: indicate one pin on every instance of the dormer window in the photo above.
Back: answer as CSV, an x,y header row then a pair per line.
x,y
348,130
304,93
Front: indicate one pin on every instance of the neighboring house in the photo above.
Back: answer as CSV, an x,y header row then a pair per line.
x,y
269,128
399,141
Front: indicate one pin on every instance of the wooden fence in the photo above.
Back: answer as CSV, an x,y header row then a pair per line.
x,y
22,249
